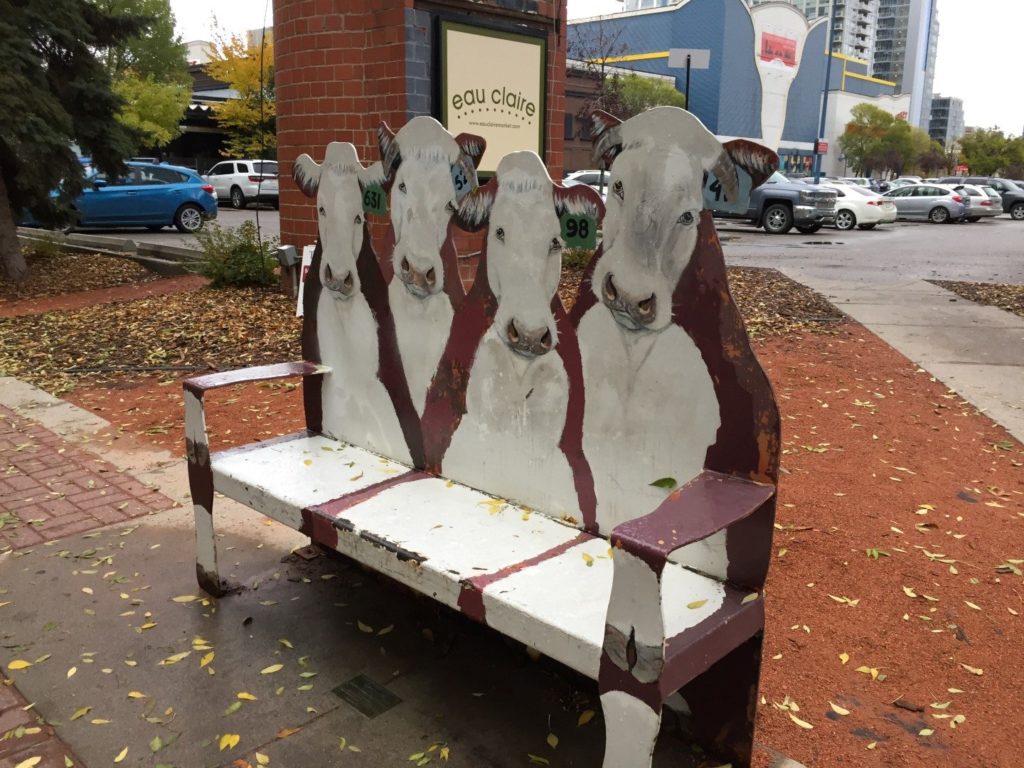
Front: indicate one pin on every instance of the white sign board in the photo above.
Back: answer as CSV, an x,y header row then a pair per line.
x,y
700,58
714,195
307,262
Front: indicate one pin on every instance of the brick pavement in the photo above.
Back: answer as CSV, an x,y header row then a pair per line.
x,y
24,735
50,489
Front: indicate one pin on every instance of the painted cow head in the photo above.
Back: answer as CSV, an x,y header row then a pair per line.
x,y
422,160
657,161
522,208
338,186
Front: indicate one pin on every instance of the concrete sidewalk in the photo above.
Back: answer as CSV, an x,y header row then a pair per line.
x,y
976,350
124,652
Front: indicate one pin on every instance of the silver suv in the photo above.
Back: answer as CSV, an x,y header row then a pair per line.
x,y
245,181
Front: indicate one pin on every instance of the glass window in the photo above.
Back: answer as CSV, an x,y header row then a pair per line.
x,y
265,169
217,170
241,167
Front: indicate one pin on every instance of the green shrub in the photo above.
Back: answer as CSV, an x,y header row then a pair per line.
x,y
47,246
236,257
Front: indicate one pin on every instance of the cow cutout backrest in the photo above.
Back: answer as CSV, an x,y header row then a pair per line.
x,y
429,171
347,290
511,374
672,385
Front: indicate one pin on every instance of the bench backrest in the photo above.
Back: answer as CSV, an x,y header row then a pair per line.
x,y
593,416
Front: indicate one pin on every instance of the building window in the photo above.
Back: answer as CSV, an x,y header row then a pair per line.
x,y
568,127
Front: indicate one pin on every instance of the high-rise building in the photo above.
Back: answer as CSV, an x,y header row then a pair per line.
x,y
946,124
906,43
855,23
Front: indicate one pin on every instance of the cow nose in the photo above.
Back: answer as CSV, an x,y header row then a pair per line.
x,y
610,292
431,277
405,265
339,284
644,311
529,343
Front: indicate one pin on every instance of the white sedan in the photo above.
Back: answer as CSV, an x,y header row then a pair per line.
x,y
860,207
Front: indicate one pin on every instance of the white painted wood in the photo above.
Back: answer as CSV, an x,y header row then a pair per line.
x,y
206,543
631,731
462,532
195,419
422,325
651,412
281,479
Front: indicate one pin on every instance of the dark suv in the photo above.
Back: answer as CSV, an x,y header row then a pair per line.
x,y
1013,196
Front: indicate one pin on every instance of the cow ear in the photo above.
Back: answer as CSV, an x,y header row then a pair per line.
x,y
372,175
606,133
390,155
306,173
473,146
757,160
474,211
580,200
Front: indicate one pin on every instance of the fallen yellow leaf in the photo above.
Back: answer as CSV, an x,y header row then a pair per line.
x,y
185,598
72,671
229,741
802,723
262,759
246,696
696,604
206,659
173,659
272,669
364,627
839,710
844,657
17,664
973,670
121,755
552,741
585,717
136,695
30,762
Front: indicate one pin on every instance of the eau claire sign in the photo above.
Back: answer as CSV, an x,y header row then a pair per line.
x,y
492,84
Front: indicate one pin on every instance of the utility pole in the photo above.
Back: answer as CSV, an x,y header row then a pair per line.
x,y
824,98
688,57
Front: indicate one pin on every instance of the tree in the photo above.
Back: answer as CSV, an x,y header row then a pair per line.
x,y
637,94
150,72
985,152
55,90
592,45
875,140
250,119
934,159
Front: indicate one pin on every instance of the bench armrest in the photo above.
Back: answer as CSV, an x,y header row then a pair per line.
x,y
707,504
196,441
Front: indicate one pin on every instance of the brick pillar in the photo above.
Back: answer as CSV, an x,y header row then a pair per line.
x,y
342,66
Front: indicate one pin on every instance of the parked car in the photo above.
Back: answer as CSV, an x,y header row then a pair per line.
x,y
779,204
245,181
858,206
148,195
891,184
1012,195
928,202
862,181
980,203
591,178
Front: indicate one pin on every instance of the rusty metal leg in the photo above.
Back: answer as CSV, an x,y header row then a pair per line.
x,y
723,702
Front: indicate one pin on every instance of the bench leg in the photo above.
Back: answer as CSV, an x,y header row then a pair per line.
x,y
723,701
631,730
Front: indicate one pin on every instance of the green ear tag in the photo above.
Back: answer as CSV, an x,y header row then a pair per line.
x,y
579,231
374,199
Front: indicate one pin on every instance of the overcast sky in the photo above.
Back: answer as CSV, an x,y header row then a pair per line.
x,y
977,47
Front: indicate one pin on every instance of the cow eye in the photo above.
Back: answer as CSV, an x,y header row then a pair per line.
x,y
322,211
500,234
618,189
401,187
450,207
359,219
556,244
687,218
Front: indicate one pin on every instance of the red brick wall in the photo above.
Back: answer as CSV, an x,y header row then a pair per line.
x,y
340,71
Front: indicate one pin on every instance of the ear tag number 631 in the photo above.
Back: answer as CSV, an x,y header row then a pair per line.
x,y
374,199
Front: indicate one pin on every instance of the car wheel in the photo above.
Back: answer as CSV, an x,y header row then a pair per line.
x,y
237,198
938,215
810,229
1017,211
845,220
866,226
974,219
189,218
778,219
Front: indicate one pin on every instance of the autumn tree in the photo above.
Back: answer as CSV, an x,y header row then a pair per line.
x,y
990,152
149,71
637,94
593,46
55,91
250,119
875,140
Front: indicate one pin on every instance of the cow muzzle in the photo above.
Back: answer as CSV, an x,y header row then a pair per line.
x,y
528,343
632,314
420,284
343,286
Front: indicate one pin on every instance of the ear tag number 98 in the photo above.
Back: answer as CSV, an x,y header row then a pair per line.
x,y
579,231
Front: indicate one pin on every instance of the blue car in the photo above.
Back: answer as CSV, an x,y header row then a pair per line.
x,y
148,195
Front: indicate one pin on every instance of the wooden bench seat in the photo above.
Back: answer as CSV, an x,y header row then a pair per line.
x,y
598,484
533,578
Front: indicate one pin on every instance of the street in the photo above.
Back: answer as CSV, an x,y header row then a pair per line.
x,y
988,251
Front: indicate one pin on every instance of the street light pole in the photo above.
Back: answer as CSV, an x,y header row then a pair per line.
x,y
824,98
688,82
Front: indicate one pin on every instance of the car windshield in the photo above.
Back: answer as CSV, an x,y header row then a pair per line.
x,y
269,169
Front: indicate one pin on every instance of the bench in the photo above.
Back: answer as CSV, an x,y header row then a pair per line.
x,y
598,484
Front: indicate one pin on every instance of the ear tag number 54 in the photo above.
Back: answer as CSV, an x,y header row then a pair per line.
x,y
464,177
